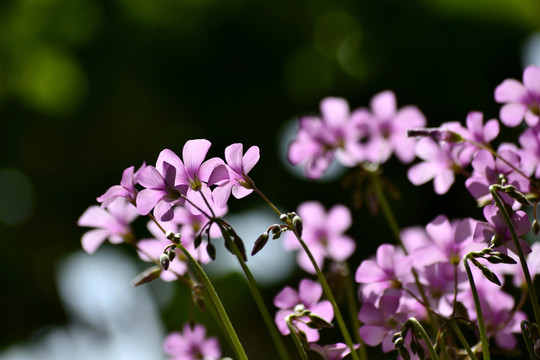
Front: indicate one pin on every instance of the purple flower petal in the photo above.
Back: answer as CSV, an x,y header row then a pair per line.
x,y
193,153
92,240
512,114
384,105
287,298
251,157
335,111
309,292
147,200
510,90
531,79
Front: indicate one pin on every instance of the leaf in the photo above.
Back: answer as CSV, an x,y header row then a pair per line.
x,y
147,276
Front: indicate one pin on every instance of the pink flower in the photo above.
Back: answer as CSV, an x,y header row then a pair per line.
x,y
521,100
382,320
332,352
440,163
126,189
307,297
390,268
319,139
112,223
171,180
387,128
323,233
238,166
191,344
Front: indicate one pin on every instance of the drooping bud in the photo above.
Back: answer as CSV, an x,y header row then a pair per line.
x,y
164,261
535,227
436,134
317,322
171,254
297,225
211,250
147,276
260,243
169,235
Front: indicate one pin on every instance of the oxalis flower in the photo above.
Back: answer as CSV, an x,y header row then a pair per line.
x,y
111,223
522,100
171,180
307,297
191,344
323,233
126,189
236,170
319,139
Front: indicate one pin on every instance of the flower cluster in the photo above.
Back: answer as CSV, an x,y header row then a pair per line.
x,y
423,278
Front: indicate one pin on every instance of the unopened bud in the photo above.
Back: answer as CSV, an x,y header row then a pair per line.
x,y
297,225
259,243
283,218
164,261
169,235
171,254
147,276
211,250
317,322
535,227
436,134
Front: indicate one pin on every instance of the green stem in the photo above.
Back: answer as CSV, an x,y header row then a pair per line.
x,y
522,259
353,310
296,340
330,296
276,337
525,332
462,339
322,280
217,302
481,326
394,227
420,331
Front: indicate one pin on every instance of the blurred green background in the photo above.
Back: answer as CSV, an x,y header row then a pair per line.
x,y
90,87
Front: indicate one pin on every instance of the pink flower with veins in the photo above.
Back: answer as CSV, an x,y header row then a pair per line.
x,y
521,100
112,223
323,232
237,168
172,179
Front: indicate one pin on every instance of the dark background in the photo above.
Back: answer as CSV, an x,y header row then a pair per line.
x,y
88,88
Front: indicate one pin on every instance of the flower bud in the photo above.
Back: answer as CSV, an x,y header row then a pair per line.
x,y
169,235
171,254
297,225
317,322
259,243
535,227
147,276
164,261
436,134
211,250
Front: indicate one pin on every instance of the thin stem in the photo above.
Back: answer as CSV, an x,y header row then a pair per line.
x,y
496,155
480,317
296,339
420,331
522,259
353,310
394,227
326,288
217,302
330,296
261,194
278,342
462,339
525,332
